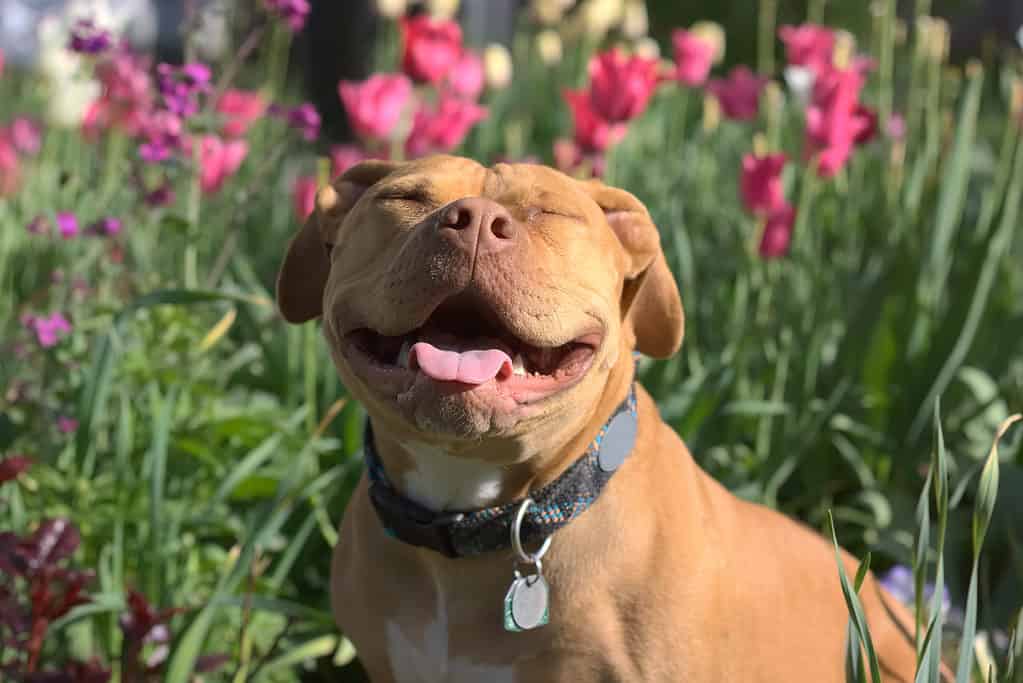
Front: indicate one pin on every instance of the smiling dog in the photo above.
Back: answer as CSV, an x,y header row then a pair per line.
x,y
526,515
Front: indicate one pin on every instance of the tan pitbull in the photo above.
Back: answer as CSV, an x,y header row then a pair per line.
x,y
487,318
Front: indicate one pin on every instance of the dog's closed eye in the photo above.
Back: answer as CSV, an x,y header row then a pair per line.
x,y
412,195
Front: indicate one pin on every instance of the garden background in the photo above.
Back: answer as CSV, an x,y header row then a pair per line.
x,y
842,214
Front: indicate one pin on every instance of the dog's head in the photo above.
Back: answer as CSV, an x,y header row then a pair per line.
x,y
462,302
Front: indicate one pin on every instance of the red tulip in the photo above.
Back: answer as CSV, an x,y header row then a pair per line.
x,y
739,94
375,106
466,76
621,87
694,56
835,120
593,133
761,184
443,128
432,46
240,108
808,45
218,161
778,233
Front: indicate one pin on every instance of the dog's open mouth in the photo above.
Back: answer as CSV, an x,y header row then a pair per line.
x,y
464,343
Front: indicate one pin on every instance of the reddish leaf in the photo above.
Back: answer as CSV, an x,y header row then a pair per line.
x,y
54,540
12,466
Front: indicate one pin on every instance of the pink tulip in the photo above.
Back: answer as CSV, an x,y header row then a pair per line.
x,y
739,94
432,47
808,45
343,157
26,135
442,129
466,77
592,133
778,233
761,184
10,166
240,109
835,119
375,106
304,196
218,161
621,87
694,57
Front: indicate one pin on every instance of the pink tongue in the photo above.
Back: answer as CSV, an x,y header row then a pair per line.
x,y
468,367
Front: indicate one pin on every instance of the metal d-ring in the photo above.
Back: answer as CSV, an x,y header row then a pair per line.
x,y
516,538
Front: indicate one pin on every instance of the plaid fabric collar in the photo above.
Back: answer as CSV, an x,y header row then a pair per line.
x,y
474,532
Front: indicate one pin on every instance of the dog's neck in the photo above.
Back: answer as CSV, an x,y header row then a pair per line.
x,y
493,473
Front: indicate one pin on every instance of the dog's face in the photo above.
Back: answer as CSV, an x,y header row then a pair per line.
x,y
462,302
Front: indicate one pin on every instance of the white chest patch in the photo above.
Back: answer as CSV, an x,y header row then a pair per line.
x,y
445,482
427,659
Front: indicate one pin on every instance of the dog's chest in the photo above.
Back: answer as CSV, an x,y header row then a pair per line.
x,y
432,650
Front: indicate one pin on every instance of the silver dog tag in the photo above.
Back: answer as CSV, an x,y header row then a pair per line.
x,y
526,603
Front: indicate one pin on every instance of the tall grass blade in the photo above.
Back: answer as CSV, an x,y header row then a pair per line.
x,y
852,603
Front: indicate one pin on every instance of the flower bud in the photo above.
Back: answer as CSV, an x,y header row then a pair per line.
x,y
548,45
392,9
648,48
497,66
712,33
635,23
442,9
598,16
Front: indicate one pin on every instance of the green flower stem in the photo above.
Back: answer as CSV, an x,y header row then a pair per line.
x,y
116,146
191,278
887,62
803,242
815,12
765,39
277,67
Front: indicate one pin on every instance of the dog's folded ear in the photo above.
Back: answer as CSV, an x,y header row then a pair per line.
x,y
303,275
651,305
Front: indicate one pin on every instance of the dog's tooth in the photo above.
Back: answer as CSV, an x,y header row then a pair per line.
x,y
519,365
403,355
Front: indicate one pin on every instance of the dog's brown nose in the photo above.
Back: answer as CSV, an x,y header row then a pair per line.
x,y
480,223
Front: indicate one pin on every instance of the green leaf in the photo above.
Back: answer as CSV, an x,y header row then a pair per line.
x,y
322,646
987,490
852,603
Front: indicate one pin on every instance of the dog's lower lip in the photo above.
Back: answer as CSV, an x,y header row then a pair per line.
x,y
376,362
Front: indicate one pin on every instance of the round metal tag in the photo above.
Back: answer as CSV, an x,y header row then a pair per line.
x,y
529,602
618,441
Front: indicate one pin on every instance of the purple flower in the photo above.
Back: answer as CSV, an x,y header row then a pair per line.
x,y
899,582
66,424
47,330
160,196
294,12
67,224
163,134
180,86
88,39
305,119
